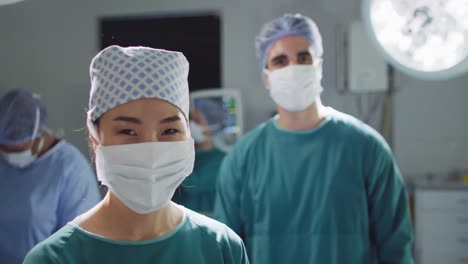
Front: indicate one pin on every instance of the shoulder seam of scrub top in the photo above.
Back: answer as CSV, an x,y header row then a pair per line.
x,y
66,236
209,235
314,130
131,243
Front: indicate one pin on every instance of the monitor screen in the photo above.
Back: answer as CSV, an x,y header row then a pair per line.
x,y
197,36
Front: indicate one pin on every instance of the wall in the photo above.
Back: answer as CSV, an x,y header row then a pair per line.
x,y
431,126
47,45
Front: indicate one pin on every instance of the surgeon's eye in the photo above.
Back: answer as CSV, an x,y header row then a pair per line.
x,y
170,131
129,132
279,61
304,58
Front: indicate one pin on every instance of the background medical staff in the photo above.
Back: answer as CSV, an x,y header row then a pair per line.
x,y
138,123
198,191
45,181
311,185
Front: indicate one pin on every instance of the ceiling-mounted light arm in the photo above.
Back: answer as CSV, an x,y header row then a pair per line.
x,y
9,2
421,18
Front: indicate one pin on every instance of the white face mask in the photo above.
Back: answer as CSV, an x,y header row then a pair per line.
x,y
295,87
24,158
144,176
197,132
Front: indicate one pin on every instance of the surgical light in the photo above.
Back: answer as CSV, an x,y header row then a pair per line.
x,y
427,39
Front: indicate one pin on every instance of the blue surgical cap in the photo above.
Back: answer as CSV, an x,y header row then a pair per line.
x,y
19,110
286,25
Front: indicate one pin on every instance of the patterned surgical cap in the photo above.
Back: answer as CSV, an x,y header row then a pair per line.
x,y
120,75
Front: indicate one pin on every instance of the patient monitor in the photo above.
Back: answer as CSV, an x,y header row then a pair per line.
x,y
222,109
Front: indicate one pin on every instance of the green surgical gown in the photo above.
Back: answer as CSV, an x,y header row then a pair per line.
x,y
333,195
198,190
197,239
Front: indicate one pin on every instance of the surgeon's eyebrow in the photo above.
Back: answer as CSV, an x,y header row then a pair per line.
x,y
170,119
278,59
128,119
304,53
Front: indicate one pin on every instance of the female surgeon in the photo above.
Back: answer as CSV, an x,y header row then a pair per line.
x,y
138,123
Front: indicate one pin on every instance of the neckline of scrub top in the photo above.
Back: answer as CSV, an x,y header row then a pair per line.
x,y
52,150
133,243
49,152
326,120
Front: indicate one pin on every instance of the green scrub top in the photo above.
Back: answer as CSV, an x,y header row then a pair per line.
x,y
333,194
198,190
197,239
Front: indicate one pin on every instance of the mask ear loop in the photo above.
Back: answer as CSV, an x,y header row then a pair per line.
x,y
36,126
92,129
39,148
266,74
103,189
34,134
